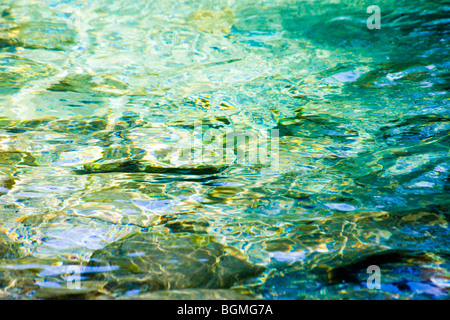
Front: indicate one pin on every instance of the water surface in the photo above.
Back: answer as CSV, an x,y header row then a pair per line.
x,y
96,96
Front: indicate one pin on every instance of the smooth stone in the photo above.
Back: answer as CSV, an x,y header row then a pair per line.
x,y
172,262
189,294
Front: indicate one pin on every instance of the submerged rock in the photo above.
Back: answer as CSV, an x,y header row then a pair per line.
x,y
315,126
88,291
17,158
38,35
410,130
143,262
87,83
148,167
191,294
336,253
16,72
8,249
6,184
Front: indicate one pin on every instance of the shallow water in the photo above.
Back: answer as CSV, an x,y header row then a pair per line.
x,y
98,99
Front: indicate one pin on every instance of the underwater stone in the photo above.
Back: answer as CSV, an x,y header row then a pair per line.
x,y
38,35
142,166
172,262
8,249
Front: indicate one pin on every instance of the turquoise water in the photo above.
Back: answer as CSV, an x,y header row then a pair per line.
x,y
101,102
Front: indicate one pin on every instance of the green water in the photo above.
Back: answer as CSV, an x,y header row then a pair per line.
x,y
97,98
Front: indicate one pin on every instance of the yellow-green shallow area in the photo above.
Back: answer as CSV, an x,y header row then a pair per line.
x,y
234,149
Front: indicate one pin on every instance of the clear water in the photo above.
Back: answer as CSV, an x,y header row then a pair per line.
x,y
96,95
